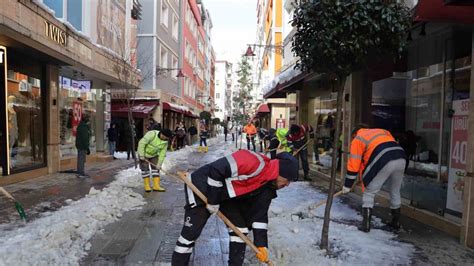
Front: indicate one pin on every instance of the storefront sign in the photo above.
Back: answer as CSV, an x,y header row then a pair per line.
x,y
280,123
55,34
76,116
458,154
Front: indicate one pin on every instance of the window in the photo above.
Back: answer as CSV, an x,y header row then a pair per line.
x,y
56,5
163,58
175,66
175,27
164,14
74,13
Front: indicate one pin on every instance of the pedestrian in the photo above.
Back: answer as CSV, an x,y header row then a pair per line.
x,y
251,131
227,127
152,152
192,132
127,137
262,135
376,157
203,134
297,140
83,135
113,137
181,133
241,185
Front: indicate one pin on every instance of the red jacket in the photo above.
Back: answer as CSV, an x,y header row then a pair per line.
x,y
232,176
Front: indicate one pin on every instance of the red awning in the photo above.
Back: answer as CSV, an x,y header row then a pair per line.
x,y
437,11
139,109
191,114
172,107
263,108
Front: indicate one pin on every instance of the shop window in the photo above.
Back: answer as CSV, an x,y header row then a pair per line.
x,y
75,103
25,109
325,127
74,13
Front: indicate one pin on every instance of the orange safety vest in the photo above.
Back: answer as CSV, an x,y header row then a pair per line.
x,y
362,150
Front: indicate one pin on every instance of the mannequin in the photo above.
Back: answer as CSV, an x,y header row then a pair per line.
x,y
12,123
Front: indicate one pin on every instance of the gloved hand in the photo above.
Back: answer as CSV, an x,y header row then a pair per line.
x,y
262,255
346,190
212,208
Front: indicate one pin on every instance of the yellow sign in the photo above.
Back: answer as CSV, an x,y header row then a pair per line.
x,y
54,33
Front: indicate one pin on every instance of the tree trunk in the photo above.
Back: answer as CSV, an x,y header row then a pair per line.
x,y
325,232
132,129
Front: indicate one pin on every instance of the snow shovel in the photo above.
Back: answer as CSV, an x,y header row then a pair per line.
x,y
324,201
301,148
182,176
18,206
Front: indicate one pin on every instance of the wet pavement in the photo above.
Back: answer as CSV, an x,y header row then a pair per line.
x,y
148,236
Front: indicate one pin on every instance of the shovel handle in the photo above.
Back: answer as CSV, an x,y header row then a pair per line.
x,y
324,201
8,195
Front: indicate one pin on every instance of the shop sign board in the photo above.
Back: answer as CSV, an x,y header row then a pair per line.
x,y
280,123
458,155
76,116
55,34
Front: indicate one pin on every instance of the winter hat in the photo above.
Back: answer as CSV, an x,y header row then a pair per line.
x,y
166,132
288,166
294,129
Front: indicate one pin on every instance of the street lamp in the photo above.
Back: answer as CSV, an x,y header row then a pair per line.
x,y
161,71
278,49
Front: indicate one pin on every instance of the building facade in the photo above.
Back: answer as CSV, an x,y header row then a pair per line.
x,y
58,65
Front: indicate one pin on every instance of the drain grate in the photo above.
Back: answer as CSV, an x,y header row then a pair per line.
x,y
165,252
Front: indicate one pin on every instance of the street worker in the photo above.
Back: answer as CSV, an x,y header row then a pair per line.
x,y
273,143
298,140
375,157
262,135
241,186
251,131
278,143
151,152
203,134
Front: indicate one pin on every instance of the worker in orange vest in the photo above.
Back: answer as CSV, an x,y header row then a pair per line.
x,y
251,131
375,157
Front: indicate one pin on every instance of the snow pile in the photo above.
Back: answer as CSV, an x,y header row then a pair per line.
x,y
62,237
295,232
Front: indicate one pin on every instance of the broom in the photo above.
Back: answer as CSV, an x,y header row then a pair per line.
x,y
18,207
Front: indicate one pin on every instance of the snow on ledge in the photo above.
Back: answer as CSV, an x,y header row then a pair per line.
x,y
281,78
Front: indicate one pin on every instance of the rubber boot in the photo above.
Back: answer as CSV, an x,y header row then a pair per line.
x,y
206,149
366,220
156,185
395,224
146,183
200,149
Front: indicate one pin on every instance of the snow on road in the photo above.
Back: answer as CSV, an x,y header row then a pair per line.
x,y
295,232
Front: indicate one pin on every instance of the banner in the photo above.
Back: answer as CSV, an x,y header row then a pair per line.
x,y
458,154
76,116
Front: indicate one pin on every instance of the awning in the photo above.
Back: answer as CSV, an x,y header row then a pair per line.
x,y
278,87
263,108
191,114
139,109
438,11
173,107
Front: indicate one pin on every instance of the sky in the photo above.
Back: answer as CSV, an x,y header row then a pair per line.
x,y
235,23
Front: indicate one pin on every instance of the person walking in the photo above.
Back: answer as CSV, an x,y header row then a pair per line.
x,y
181,133
83,135
251,131
152,152
127,136
262,136
297,140
192,132
113,137
203,134
226,127
242,186
375,157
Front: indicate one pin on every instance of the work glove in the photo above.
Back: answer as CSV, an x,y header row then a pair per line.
x,y
212,208
346,190
262,255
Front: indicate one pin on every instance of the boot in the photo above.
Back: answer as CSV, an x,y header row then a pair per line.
x,y
206,149
395,224
306,178
146,183
156,185
366,219
199,149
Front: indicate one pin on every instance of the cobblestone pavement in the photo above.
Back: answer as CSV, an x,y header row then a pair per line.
x,y
148,236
